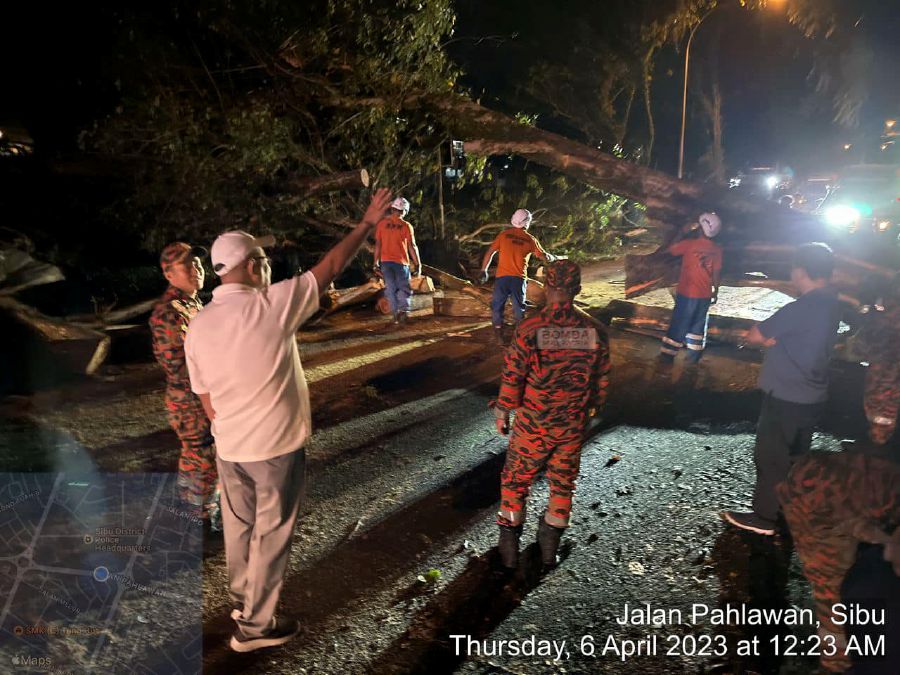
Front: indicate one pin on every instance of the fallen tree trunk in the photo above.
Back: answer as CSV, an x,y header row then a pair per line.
x,y
52,344
110,318
18,271
304,187
669,202
751,264
623,314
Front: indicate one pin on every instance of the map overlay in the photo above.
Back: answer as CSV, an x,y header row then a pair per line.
x,y
99,573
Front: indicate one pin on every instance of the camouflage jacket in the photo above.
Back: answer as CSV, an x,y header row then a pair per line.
x,y
168,325
557,365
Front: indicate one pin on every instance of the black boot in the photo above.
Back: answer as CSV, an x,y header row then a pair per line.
x,y
548,539
508,546
498,336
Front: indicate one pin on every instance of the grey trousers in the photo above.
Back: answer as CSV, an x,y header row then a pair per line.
x,y
260,505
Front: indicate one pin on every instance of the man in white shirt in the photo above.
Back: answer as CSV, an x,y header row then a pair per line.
x,y
244,365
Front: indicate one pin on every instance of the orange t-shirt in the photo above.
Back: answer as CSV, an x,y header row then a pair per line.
x,y
395,236
701,260
515,246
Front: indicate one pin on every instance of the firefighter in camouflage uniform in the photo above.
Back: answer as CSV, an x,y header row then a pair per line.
x,y
879,341
197,477
833,502
555,377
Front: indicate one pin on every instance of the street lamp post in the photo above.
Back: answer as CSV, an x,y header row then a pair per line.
x,y
687,62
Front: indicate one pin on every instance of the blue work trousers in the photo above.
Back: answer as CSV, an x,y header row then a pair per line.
x,y
687,328
396,286
508,287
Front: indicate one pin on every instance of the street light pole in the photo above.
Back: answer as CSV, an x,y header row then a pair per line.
x,y
687,61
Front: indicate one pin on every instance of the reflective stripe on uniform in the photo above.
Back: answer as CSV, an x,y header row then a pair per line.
x,y
556,521
882,421
515,518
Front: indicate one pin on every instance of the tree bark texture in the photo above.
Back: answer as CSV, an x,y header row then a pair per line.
x,y
304,187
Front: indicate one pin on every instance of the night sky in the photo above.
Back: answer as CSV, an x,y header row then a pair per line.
x,y
56,78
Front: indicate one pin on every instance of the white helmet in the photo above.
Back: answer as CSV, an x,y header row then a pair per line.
x,y
401,205
521,218
710,224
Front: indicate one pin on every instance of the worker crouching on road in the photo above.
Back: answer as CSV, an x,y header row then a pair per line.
x,y
514,246
555,378
197,477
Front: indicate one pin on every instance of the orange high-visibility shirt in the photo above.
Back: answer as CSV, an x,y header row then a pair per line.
x,y
701,261
396,237
515,246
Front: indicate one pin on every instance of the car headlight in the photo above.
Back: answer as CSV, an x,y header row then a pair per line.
x,y
841,216
771,182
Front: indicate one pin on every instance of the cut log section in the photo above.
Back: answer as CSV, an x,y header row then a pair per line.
x,y
623,314
455,303
309,186
420,304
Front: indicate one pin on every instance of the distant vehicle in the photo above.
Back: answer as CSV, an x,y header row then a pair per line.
x,y
865,201
763,181
15,141
812,191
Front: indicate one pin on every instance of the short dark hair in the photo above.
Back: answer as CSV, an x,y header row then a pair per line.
x,y
816,259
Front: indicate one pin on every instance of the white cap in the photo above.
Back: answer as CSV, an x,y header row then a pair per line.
x,y
521,218
401,205
230,249
710,224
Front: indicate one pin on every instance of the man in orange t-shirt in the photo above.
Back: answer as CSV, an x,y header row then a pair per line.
x,y
395,248
698,288
514,246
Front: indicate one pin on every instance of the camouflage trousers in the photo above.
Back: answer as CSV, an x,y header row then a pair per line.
x,y
882,400
535,445
197,474
827,500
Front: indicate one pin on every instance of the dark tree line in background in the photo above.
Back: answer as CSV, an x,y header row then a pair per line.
x,y
219,107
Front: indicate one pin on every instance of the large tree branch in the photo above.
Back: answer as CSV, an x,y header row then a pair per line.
x,y
304,187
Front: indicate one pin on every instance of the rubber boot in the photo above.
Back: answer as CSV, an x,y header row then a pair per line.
x,y
508,545
402,317
498,336
548,539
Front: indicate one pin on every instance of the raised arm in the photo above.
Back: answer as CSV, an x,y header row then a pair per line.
x,y
337,258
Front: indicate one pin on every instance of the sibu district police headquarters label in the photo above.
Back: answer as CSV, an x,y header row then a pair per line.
x,y
800,635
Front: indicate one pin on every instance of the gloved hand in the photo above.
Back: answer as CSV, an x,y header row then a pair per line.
x,y
714,299
551,258
483,279
376,269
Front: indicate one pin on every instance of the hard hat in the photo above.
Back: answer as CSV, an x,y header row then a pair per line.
x,y
401,205
521,218
710,224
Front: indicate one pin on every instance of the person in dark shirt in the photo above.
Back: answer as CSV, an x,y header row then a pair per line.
x,y
799,339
